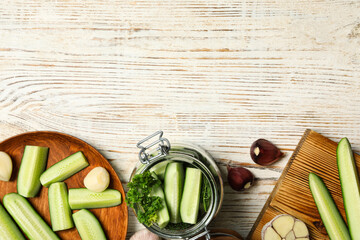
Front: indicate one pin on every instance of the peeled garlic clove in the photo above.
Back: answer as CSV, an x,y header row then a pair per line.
x,y
285,227
97,180
5,167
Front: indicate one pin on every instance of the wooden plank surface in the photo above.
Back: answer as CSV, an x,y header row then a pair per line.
x,y
217,73
315,153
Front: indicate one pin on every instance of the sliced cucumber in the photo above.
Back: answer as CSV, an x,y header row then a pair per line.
x,y
163,216
32,165
64,169
8,229
173,186
83,198
349,180
160,168
60,212
88,225
333,222
189,207
27,218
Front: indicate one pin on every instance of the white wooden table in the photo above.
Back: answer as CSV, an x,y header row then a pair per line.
x,y
217,73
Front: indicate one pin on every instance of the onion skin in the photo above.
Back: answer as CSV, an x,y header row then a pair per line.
x,y
240,178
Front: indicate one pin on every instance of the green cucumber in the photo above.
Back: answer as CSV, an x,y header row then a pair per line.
x,y
163,216
160,168
88,225
190,201
60,212
333,222
27,218
83,198
64,169
8,229
173,186
32,165
349,180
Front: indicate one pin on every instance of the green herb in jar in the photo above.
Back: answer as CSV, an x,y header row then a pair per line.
x,y
138,197
205,195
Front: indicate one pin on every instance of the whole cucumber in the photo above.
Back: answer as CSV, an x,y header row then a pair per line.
x,y
350,186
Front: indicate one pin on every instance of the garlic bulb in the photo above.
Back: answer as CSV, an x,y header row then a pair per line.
x,y
97,180
285,227
5,167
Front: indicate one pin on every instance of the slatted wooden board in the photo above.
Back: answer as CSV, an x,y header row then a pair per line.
x,y
314,153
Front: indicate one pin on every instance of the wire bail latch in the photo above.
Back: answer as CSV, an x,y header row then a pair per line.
x,y
162,149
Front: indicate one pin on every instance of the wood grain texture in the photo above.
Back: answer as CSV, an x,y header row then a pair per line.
x,y
315,153
114,220
217,73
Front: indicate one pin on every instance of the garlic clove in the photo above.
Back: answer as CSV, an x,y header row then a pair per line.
x,y
264,152
271,234
240,178
300,229
97,180
290,236
5,166
283,225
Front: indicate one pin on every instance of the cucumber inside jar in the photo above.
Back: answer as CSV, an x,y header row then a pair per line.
x,y
195,199
187,195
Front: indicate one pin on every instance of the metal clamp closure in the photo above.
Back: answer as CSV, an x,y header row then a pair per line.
x,y
162,149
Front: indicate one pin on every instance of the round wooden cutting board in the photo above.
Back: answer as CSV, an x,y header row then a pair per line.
x,y
114,220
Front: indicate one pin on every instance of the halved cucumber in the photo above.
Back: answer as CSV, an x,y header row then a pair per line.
x,y
349,180
8,229
64,169
88,225
163,217
160,168
60,212
189,207
32,165
27,218
333,222
83,198
173,186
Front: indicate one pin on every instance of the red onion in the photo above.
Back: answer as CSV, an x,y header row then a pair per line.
x,y
240,178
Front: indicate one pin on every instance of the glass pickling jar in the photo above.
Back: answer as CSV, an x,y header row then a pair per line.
x,y
159,150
